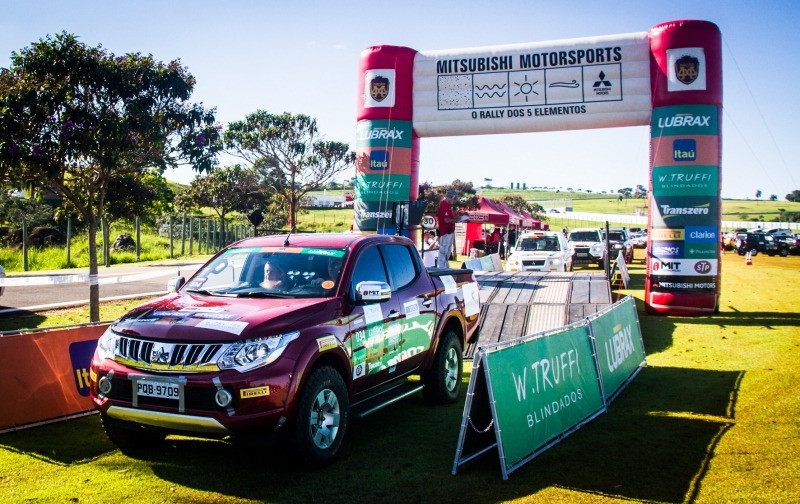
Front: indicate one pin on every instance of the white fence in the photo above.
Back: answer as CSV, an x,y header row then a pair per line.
x,y
641,221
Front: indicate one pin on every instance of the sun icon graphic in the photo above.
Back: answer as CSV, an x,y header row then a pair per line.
x,y
526,88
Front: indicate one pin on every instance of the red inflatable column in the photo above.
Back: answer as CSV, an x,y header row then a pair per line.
x,y
683,263
384,169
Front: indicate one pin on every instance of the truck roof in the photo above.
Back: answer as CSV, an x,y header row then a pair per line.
x,y
325,240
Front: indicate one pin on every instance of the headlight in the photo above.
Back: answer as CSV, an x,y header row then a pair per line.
x,y
107,344
555,262
250,354
617,245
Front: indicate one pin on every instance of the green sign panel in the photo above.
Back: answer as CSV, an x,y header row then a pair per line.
x,y
382,187
619,345
701,250
684,120
542,388
535,390
682,180
385,133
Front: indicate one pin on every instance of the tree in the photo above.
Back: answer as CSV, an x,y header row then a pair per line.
x,y
519,204
793,196
15,210
289,152
626,192
467,198
758,193
224,190
773,197
640,192
73,117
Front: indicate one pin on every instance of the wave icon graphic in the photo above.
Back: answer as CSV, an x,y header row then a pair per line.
x,y
495,86
489,95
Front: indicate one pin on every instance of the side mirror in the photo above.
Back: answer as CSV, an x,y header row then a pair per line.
x,y
512,249
373,292
175,283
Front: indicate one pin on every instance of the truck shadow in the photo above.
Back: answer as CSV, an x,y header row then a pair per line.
x,y
654,444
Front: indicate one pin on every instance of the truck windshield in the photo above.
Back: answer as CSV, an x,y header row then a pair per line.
x,y
547,243
271,272
584,236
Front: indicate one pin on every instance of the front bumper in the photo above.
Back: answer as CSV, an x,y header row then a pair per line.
x,y
584,255
259,398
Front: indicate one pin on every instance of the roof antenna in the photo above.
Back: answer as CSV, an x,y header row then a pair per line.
x,y
286,241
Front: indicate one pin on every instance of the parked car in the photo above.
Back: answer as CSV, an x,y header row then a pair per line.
x,y
619,243
750,242
541,251
776,245
639,240
729,238
588,245
286,337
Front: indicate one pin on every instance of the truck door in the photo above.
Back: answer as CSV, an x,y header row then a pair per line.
x,y
414,292
374,328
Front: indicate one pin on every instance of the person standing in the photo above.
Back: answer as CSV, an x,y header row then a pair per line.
x,y
447,227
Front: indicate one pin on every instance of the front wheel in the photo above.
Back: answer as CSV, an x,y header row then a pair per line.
x,y
784,252
443,381
323,417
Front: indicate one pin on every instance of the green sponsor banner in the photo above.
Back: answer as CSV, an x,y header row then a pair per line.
x,y
701,250
382,187
542,388
619,345
682,180
684,120
323,252
380,346
384,133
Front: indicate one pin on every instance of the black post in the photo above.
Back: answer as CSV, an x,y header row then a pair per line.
x,y
608,255
24,245
183,235
138,239
171,250
191,235
69,238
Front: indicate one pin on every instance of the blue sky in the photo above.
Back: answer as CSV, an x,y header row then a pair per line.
x,y
302,57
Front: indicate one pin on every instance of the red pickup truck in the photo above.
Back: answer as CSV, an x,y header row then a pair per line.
x,y
286,338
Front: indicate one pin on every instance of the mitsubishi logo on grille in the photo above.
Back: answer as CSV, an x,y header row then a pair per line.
x,y
159,356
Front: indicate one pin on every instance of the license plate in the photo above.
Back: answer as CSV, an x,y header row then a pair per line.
x,y
157,389
582,254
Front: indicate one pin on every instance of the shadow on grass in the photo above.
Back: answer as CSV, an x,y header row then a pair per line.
x,y
20,320
650,445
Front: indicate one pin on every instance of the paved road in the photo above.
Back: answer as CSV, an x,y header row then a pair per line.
x,y
40,297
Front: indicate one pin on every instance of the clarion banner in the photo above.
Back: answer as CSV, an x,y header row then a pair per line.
x,y
525,395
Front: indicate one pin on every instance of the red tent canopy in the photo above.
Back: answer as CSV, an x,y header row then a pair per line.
x,y
491,213
520,219
537,224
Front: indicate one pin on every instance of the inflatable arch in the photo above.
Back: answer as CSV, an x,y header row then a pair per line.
x,y
669,78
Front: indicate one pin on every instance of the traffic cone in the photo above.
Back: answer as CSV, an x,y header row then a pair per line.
x,y
748,259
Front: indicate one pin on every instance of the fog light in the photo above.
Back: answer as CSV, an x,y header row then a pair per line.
x,y
104,384
223,398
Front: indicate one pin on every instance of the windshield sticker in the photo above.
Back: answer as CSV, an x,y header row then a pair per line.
x,y
450,286
411,309
328,284
243,250
326,343
471,299
229,326
323,252
169,314
373,313
214,316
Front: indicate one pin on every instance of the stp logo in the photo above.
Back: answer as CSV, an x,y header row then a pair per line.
x,y
702,267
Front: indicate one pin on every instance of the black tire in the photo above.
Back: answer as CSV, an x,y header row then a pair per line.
x,y
322,420
784,252
771,254
754,252
740,252
130,438
443,380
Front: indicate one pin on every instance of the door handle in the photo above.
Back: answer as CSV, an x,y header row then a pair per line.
x,y
393,314
427,302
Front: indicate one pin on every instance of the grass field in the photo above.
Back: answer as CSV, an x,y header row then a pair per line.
x,y
713,418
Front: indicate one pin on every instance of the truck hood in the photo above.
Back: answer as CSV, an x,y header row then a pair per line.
x,y
185,317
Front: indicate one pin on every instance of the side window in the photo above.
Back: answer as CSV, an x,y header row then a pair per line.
x,y
369,266
402,269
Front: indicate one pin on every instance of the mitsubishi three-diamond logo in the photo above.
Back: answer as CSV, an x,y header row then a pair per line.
x,y
602,81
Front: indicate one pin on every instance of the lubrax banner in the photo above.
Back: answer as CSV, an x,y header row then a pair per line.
x,y
527,394
669,77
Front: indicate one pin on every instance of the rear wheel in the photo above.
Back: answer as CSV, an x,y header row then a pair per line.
x,y
130,438
443,381
771,254
784,252
323,416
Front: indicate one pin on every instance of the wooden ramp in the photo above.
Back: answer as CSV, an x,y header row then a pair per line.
x,y
518,304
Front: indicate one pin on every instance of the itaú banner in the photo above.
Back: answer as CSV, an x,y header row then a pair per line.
x,y
596,82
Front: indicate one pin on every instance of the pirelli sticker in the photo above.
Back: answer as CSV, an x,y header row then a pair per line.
x,y
327,343
254,392
666,234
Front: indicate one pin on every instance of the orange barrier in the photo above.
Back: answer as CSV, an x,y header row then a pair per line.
x,y
46,375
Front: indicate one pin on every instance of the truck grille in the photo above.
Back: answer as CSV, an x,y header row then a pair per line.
x,y
197,398
533,263
158,356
